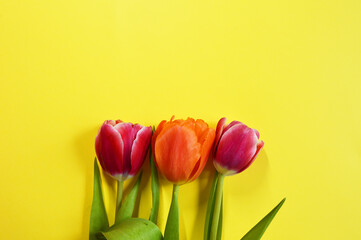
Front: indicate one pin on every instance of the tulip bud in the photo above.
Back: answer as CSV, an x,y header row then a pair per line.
x,y
122,147
181,148
236,147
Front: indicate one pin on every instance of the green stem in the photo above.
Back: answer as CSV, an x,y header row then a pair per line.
x,y
119,197
217,208
155,188
172,227
210,207
127,208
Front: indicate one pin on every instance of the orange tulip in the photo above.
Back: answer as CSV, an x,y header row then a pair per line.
x,y
181,148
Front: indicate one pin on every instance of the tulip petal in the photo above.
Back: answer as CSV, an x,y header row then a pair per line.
x,y
128,133
140,148
110,122
201,129
236,147
220,125
156,133
205,150
109,148
232,124
176,152
256,132
125,131
259,147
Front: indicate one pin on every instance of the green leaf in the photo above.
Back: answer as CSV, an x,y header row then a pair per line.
x,y
171,231
127,208
98,216
155,189
132,229
210,208
257,231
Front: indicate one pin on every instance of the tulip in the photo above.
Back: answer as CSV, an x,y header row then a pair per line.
x,y
181,149
121,149
236,146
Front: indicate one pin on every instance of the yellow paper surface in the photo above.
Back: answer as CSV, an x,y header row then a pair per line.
x,y
290,69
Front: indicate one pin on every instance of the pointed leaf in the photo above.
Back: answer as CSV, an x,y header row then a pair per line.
x,y
127,208
98,215
132,229
155,189
257,231
210,208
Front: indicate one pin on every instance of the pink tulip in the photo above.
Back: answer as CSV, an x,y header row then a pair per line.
x,y
236,147
122,147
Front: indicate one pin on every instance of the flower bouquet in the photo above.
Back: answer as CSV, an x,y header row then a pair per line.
x,y
179,151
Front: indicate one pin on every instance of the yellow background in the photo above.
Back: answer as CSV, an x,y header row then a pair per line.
x,y
290,69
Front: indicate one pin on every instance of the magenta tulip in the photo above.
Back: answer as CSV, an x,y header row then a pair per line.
x,y
236,147
122,147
